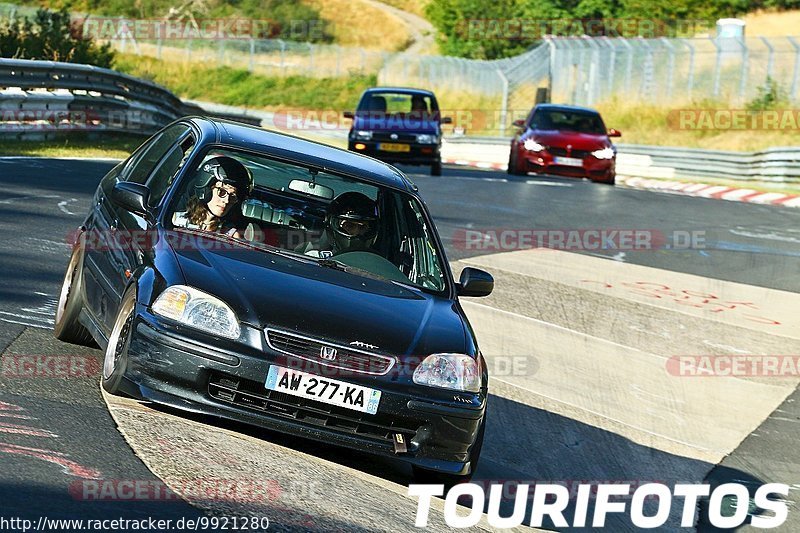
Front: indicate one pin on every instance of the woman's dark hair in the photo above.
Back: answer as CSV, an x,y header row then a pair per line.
x,y
196,212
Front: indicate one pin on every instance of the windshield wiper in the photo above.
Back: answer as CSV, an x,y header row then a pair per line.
x,y
334,264
248,244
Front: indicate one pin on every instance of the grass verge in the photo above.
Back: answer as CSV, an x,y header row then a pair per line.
x,y
107,146
239,87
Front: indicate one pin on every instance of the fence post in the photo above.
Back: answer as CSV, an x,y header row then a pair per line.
x,y
310,58
771,60
690,77
503,103
252,54
158,46
796,76
612,67
629,66
670,67
283,53
717,66
743,78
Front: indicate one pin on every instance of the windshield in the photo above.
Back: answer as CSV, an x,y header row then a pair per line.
x,y
370,229
397,103
578,121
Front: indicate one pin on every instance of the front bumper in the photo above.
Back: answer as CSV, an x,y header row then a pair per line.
x,y
545,163
169,367
418,154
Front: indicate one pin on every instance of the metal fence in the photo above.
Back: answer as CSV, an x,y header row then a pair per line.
x,y
43,99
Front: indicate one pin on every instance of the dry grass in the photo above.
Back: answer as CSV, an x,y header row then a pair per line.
x,y
648,124
357,23
416,7
772,23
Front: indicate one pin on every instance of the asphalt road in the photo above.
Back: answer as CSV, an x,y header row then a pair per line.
x,y
54,431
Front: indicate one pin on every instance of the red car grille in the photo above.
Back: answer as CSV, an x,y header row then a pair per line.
x,y
327,354
563,152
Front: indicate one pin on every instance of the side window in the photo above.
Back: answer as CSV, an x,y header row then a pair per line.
x,y
162,178
143,165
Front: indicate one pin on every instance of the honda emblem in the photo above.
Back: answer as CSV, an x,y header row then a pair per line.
x,y
327,352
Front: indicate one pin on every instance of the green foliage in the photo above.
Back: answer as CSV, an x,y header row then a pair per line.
x,y
770,96
243,88
287,19
50,36
503,28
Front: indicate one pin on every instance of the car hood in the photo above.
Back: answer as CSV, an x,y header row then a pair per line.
x,y
399,123
265,289
579,141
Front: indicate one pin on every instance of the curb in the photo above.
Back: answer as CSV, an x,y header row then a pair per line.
x,y
476,164
700,190
716,192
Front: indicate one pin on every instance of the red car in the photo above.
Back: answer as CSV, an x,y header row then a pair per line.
x,y
565,141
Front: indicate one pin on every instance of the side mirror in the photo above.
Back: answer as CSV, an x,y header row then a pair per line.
x,y
475,282
519,123
447,120
348,114
132,196
614,133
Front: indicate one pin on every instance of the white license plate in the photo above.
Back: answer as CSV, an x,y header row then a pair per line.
x,y
568,161
331,391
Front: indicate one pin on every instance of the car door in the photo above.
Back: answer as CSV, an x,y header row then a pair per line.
x,y
118,230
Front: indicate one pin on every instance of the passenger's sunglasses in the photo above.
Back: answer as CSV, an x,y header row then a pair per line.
x,y
223,193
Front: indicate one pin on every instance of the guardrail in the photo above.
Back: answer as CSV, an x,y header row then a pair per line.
x,y
42,99
772,165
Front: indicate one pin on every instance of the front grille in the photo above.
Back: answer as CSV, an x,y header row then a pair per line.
x,y
346,358
401,137
255,396
579,154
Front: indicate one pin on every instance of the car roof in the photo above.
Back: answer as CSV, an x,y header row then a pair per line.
x,y
314,154
566,107
404,90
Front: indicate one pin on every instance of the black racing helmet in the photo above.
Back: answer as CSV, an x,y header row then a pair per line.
x,y
353,221
227,170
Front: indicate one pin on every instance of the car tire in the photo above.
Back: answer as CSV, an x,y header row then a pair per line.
x,y
513,168
436,168
115,358
610,181
67,327
421,475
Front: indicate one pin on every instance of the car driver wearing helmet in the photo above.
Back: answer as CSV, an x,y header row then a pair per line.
x,y
223,184
351,224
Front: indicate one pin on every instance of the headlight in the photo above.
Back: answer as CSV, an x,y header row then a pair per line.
x,y
605,153
449,371
532,146
363,135
425,138
198,310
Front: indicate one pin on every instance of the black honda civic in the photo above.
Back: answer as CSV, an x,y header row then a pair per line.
x,y
283,283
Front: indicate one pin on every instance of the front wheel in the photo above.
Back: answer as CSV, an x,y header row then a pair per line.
x,y
70,303
436,168
115,360
513,165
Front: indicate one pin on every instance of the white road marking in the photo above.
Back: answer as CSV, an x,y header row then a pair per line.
x,y
772,236
40,326
28,317
28,197
63,206
725,347
548,183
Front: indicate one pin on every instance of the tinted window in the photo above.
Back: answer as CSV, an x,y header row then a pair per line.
x,y
393,102
163,176
142,165
579,121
